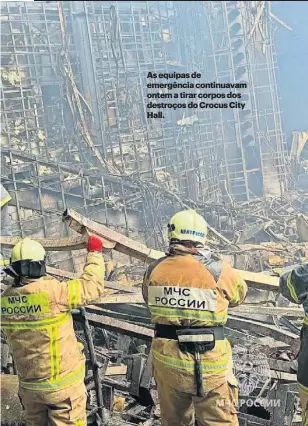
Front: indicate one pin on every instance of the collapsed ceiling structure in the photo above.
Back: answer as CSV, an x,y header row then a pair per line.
x,y
75,135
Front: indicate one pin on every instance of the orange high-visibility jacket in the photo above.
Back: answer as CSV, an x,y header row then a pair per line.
x,y
185,289
294,286
39,326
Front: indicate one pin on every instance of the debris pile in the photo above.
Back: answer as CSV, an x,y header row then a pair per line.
x,y
264,331
264,235
262,220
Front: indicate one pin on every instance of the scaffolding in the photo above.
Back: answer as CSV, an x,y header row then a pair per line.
x,y
254,146
73,108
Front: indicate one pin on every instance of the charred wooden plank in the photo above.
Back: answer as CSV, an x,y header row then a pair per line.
x,y
123,244
112,285
137,298
116,370
247,419
268,310
259,280
60,273
133,248
282,376
279,365
122,298
145,333
265,329
50,244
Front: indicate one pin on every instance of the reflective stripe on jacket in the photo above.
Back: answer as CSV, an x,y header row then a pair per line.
x,y
185,289
4,196
294,286
39,326
303,388
4,262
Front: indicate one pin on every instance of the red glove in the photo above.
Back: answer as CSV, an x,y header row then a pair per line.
x,y
95,244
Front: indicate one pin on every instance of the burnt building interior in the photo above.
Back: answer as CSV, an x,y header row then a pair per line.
x,y
75,135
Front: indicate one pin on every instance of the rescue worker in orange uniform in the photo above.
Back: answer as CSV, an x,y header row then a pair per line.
x,y
36,317
188,293
294,286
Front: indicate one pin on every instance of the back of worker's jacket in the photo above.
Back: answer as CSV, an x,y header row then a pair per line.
x,y
38,323
189,288
294,286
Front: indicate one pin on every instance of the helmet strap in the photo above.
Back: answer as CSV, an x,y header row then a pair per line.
x,y
186,243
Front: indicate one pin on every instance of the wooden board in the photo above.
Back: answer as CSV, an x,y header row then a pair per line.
x,y
140,251
115,240
50,244
123,244
116,370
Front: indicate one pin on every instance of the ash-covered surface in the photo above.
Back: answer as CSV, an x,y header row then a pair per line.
x,y
116,420
12,413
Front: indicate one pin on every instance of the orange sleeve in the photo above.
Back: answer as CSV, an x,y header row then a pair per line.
x,y
87,289
232,285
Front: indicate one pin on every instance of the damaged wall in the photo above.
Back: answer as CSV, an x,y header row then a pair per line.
x,y
58,106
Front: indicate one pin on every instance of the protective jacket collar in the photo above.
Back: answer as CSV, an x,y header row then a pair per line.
x,y
178,249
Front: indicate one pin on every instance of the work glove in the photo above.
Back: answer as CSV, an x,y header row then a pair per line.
x,y
95,244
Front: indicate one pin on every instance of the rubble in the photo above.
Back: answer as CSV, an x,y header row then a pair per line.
x,y
268,321
119,359
75,135
12,413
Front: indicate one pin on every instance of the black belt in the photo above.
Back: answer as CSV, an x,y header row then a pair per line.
x,y
194,340
170,331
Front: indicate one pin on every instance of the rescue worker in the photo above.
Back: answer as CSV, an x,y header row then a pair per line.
x,y
294,286
36,317
188,293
